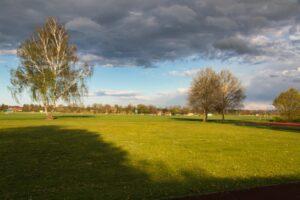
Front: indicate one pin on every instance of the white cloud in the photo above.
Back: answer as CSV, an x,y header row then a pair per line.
x,y
295,33
258,106
91,58
8,51
291,72
185,73
134,13
182,90
259,40
279,73
124,97
122,94
175,97
99,60
117,93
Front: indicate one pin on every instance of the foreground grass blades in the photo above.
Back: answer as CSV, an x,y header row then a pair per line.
x,y
138,157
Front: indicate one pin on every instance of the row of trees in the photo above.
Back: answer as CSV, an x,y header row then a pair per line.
x,y
215,92
129,109
287,104
109,109
98,108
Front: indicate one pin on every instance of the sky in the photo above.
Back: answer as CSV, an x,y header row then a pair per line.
x,y
149,51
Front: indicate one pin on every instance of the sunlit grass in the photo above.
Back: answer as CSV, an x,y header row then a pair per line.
x,y
119,156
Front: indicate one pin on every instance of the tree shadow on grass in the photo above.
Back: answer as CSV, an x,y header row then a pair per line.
x,y
243,123
74,116
187,119
50,162
258,125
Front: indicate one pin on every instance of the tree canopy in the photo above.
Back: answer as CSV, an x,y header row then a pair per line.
x,y
203,94
231,93
211,91
288,104
50,68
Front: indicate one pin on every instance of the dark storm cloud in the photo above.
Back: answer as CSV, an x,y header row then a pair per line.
x,y
236,45
143,32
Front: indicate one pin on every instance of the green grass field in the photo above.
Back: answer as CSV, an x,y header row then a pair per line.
x,y
138,157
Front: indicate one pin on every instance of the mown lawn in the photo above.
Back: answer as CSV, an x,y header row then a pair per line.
x,y
138,157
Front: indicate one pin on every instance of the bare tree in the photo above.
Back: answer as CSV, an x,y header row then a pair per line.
x,y
50,68
230,94
288,104
203,92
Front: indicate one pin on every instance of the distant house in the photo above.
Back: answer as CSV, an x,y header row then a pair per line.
x,y
14,109
190,114
168,114
159,113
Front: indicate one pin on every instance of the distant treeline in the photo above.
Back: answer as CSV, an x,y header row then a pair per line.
x,y
103,109
118,109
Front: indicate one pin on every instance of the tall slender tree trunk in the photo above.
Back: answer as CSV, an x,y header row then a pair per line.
x,y
49,115
205,116
223,115
46,110
53,109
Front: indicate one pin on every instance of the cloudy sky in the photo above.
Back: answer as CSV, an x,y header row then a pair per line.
x,y
148,51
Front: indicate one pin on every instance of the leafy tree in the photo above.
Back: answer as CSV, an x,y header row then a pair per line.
x,y
288,104
143,109
152,109
50,68
230,94
185,110
175,110
203,94
129,109
3,107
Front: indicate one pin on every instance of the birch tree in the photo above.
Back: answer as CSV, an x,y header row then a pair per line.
x,y
49,68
